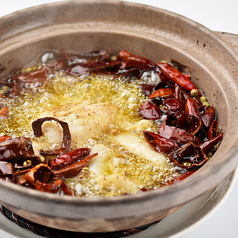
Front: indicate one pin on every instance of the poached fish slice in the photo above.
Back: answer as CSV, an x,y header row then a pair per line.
x,y
139,147
84,123
103,171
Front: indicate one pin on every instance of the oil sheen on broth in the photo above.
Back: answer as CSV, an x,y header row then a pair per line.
x,y
102,114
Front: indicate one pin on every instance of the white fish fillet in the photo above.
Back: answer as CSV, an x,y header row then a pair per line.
x,y
103,171
90,121
84,122
139,147
101,164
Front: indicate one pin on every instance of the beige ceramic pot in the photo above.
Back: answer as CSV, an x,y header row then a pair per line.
x,y
155,34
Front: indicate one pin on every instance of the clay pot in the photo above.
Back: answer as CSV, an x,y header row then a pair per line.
x,y
155,34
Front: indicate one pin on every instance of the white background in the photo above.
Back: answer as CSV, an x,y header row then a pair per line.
x,y
218,15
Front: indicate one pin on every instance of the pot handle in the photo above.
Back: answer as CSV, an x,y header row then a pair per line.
x,y
230,38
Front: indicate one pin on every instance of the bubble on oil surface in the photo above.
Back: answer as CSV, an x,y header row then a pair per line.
x,y
48,56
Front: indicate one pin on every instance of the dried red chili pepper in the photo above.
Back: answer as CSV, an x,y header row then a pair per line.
x,y
16,147
149,110
77,70
173,105
40,75
175,119
52,187
89,57
181,95
175,116
106,65
123,55
66,189
99,54
189,156
55,66
163,93
173,74
197,101
36,126
163,84
208,117
146,89
187,76
42,178
181,120
193,124
40,172
69,158
179,135
19,177
209,144
170,120
4,137
14,88
6,168
135,72
135,61
192,109
15,91
213,131
160,143
4,112
74,169
95,67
